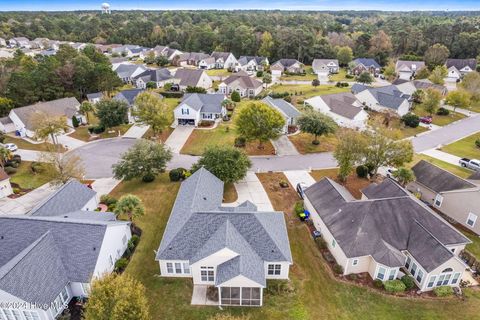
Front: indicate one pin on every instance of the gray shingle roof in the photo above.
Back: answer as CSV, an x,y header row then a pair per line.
x,y
320,63
437,179
244,80
388,96
128,95
387,189
223,55
40,255
357,88
342,104
286,62
155,75
461,63
72,196
197,228
383,227
367,62
127,70
65,107
204,102
243,60
188,77
405,65
283,106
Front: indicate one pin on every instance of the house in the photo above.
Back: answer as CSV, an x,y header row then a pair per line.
x,y
383,99
324,67
164,51
48,52
94,98
241,82
23,118
387,230
361,65
197,107
128,96
344,108
286,109
232,249
159,77
207,63
457,198
19,42
192,78
6,125
457,68
124,50
407,69
72,196
286,65
46,261
40,43
189,59
409,87
79,46
251,64
5,186
7,53
128,72
3,42
224,60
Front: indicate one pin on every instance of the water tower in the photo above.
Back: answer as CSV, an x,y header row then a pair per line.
x,y
106,8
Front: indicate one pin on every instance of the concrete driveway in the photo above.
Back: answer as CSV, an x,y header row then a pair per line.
x,y
25,203
251,189
297,176
284,147
136,131
69,142
178,137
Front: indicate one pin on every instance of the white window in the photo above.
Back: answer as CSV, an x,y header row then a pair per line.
x,y
472,218
207,273
354,262
381,273
438,201
169,267
333,243
186,268
86,288
185,111
440,279
29,315
455,278
178,268
407,263
431,282
391,276
419,276
274,269
447,279
414,269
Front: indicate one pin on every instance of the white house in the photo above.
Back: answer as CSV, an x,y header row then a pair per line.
x,y
23,118
20,42
207,63
344,108
409,87
251,64
234,250
407,69
159,77
286,109
51,256
95,97
324,67
197,107
192,78
127,72
387,230
224,60
286,65
383,99
241,82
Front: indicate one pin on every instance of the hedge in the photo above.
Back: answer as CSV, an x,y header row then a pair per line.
x,y
408,282
394,286
172,94
443,291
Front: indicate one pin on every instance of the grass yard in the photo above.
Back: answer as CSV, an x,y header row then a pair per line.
x,y
398,128
464,148
439,120
303,143
26,179
161,137
474,247
353,184
308,76
24,144
81,133
474,106
305,91
218,72
340,76
457,170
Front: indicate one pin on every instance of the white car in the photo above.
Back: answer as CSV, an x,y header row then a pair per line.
x,y
10,146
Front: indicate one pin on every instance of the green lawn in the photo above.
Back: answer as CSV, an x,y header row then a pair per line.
x,y
464,148
439,120
81,133
300,92
474,247
459,171
26,179
474,106
340,76
308,76
303,143
218,72
24,144
398,128
315,295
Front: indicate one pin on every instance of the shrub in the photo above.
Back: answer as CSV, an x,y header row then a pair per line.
x,y
349,76
259,74
288,99
195,90
17,158
394,286
177,174
10,170
167,86
36,167
121,264
151,85
96,129
16,190
377,283
135,240
235,96
172,94
408,282
362,171
353,276
148,177
75,122
338,269
240,142
477,143
298,207
443,112
108,200
321,243
443,291
411,120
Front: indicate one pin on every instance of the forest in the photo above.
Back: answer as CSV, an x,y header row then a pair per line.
x,y
276,34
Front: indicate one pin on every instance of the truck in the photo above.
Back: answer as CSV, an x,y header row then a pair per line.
x,y
473,164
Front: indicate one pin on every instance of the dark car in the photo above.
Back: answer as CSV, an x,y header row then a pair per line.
x,y
301,188
426,120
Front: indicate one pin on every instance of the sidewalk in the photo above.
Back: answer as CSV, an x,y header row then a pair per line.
x,y
468,113
136,131
440,155
251,189
24,204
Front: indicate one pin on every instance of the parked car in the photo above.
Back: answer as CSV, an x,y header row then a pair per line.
x,y
301,188
473,164
426,120
10,146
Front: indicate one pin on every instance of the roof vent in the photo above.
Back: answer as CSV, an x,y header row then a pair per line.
x,y
273,250
204,198
1,238
94,249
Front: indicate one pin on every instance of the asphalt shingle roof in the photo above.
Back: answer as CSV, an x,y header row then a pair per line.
x,y
188,77
283,106
155,75
243,60
387,189
437,179
461,63
367,62
204,102
341,104
244,81
128,95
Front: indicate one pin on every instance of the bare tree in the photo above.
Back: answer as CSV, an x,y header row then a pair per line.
x,y
60,167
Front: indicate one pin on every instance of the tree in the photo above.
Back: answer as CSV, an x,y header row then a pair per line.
x,y
266,45
418,96
117,297
267,78
5,155
60,168
423,73
436,55
161,61
46,126
348,152
344,55
257,121
85,109
316,124
471,84
111,112
438,74
389,71
5,106
458,99
365,78
404,176
315,82
380,46
195,90
235,96
431,101
131,206
152,111
227,163
145,159
75,122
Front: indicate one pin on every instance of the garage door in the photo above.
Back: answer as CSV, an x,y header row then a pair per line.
x,y
183,122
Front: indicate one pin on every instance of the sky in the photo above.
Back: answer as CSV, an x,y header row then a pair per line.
x,y
386,5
